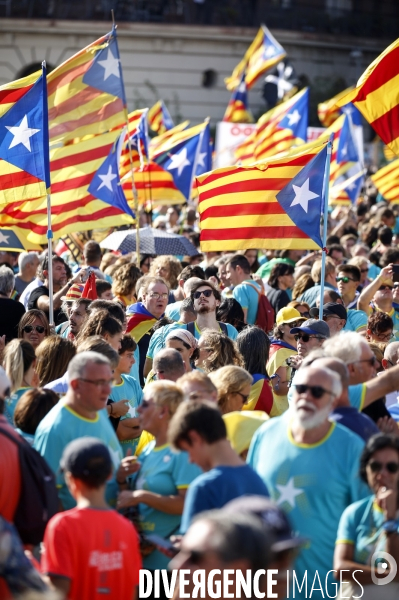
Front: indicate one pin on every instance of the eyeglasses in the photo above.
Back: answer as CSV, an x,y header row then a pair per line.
x,y
243,396
371,361
30,328
316,390
385,287
99,382
383,337
207,294
305,314
343,279
305,337
377,467
156,296
364,270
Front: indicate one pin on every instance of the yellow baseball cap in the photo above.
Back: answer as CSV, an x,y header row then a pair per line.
x,y
288,314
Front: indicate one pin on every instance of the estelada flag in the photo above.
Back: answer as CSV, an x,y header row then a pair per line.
x,y
377,96
139,321
386,180
237,110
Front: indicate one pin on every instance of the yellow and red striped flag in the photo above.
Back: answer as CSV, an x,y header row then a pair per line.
x,y
159,118
72,169
237,110
327,111
77,105
239,209
155,186
386,180
263,54
377,96
138,142
161,139
15,183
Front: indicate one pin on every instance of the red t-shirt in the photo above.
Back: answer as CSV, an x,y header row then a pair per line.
x,y
97,550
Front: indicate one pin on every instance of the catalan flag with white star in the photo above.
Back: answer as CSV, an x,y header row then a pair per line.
x,y
237,110
159,118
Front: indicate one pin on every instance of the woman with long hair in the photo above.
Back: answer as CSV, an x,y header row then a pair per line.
x,y
52,358
34,327
234,387
254,345
124,284
19,364
31,408
102,323
217,350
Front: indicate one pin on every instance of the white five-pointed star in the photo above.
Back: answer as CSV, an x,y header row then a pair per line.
x,y
242,87
344,151
22,134
351,186
303,195
179,161
115,456
110,65
288,492
107,179
4,238
270,51
201,159
294,117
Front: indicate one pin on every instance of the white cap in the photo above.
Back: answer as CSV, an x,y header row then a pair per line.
x,y
4,383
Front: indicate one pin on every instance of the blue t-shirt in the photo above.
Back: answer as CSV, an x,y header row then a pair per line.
x,y
157,341
356,421
163,472
173,310
313,484
63,425
11,403
130,390
217,487
356,319
313,294
248,297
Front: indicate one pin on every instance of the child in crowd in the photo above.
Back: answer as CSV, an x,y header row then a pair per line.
x,y
126,387
90,550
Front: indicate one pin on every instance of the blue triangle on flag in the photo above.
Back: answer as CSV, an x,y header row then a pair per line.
x,y
297,118
22,133
105,72
303,197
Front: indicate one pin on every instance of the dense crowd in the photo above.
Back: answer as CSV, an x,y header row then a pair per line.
x,y
198,414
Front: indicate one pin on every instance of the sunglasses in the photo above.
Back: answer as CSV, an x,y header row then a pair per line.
x,y
30,328
377,467
343,279
385,287
316,390
207,294
305,337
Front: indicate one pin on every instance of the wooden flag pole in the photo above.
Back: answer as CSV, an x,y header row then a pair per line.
x,y
325,223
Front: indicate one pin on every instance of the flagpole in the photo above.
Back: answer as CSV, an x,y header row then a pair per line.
x,y
46,154
134,189
325,223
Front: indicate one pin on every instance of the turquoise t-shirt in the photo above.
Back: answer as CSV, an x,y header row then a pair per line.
x,y
373,271
173,310
11,403
157,341
130,390
313,484
313,294
361,525
356,319
62,425
163,472
248,297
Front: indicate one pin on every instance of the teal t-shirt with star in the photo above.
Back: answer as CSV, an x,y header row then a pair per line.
x,y
63,425
163,472
248,297
11,403
129,390
313,484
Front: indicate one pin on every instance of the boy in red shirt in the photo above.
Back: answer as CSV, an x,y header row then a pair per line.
x,y
91,552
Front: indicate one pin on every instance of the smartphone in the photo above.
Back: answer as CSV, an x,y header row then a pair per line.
x,y
161,542
395,273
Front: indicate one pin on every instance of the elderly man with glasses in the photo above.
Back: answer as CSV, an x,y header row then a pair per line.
x,y
334,314
313,476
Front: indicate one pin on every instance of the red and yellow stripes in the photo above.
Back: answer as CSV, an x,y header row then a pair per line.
x,y
239,209
163,138
77,109
155,118
10,93
72,207
327,111
386,180
376,96
237,112
154,186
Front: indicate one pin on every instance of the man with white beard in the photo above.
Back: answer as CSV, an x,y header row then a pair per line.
x,y
310,467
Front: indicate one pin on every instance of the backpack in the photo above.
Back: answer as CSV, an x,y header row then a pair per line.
x,y
265,314
38,499
191,328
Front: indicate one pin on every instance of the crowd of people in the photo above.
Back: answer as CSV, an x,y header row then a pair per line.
x,y
198,414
